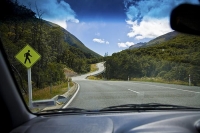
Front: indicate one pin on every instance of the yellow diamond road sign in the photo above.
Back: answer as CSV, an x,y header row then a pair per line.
x,y
28,56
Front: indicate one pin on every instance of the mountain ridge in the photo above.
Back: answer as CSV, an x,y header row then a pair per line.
x,y
157,40
74,41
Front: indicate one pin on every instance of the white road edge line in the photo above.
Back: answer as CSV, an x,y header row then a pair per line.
x,y
174,88
133,91
72,97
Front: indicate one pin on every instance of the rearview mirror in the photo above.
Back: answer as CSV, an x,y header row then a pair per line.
x,y
185,18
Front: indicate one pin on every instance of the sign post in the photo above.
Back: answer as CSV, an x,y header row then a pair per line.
x,y
29,87
28,57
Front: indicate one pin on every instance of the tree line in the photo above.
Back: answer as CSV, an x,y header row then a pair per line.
x,y
175,59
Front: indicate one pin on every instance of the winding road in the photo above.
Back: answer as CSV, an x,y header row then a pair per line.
x,y
100,67
96,94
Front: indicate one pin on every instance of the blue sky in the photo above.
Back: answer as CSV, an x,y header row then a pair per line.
x,y
109,25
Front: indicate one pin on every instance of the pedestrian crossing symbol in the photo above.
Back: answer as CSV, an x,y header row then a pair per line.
x,y
28,56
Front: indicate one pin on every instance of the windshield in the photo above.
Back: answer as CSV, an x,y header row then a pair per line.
x,y
92,55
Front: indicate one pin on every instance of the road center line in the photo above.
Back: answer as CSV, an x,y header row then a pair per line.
x,y
133,91
174,88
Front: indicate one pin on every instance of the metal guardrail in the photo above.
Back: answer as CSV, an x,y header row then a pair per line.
x,y
61,100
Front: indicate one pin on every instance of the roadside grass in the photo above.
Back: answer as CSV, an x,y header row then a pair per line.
x,y
146,79
93,68
51,91
93,78
159,80
48,92
69,72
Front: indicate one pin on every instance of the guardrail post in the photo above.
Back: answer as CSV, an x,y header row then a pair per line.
x,y
68,84
189,80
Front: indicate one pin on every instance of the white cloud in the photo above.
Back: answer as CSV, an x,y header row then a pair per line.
x,y
150,18
60,23
152,8
107,42
100,41
149,28
58,12
126,44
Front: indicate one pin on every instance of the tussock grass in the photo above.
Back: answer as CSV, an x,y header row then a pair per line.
x,y
159,80
93,68
48,92
148,79
93,78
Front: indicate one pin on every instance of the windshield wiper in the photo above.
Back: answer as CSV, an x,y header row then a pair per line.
x,y
125,107
64,110
146,106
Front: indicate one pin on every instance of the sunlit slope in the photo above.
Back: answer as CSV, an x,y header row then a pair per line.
x,y
75,42
156,40
162,38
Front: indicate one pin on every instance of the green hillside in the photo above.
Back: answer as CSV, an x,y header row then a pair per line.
x,y
171,60
75,42
58,48
156,40
162,38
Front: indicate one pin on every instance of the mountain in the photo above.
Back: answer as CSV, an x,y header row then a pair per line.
x,y
75,42
163,38
157,40
140,44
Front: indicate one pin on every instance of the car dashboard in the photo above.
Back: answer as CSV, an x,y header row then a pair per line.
x,y
131,122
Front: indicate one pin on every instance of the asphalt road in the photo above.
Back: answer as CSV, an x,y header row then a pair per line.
x,y
99,94
83,77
